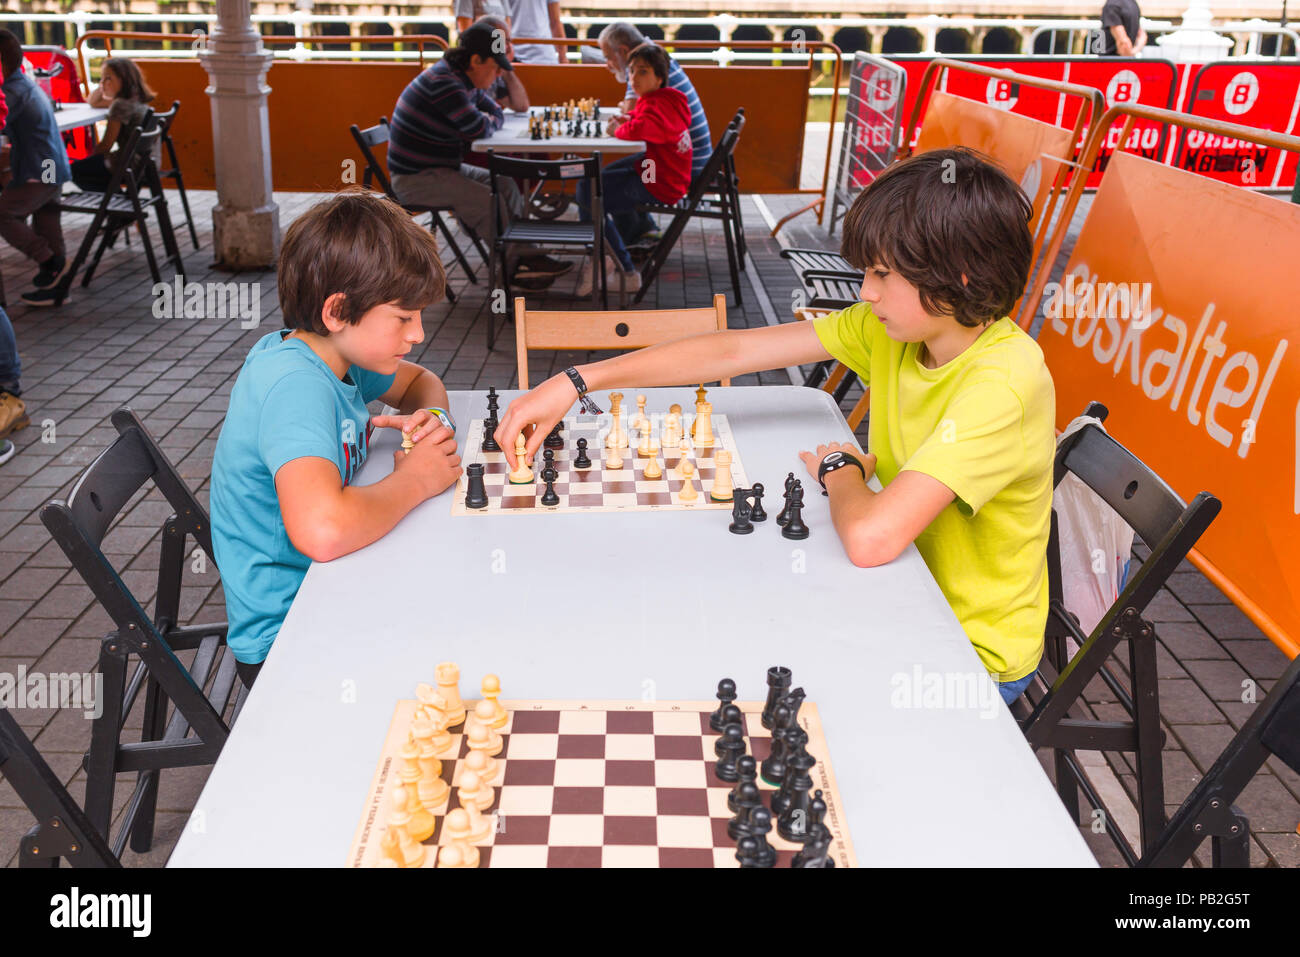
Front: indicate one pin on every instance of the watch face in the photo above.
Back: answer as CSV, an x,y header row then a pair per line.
x,y
832,457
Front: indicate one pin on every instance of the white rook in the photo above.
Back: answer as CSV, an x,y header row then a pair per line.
x,y
246,220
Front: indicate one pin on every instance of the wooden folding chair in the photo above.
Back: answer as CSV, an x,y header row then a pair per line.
x,y
618,329
1170,528
79,526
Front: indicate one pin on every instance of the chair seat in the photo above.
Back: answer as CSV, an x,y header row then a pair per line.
x,y
833,294
549,232
89,203
805,260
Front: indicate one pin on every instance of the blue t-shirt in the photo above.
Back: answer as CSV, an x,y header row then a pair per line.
x,y
286,404
701,144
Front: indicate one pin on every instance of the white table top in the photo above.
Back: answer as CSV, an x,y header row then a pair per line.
x,y
513,138
606,605
74,115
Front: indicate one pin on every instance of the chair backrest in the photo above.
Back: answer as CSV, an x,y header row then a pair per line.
x,y
620,329
133,166
165,121
550,171
721,159
367,140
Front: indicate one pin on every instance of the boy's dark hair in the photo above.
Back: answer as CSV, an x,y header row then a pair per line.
x,y
364,246
941,215
653,56
129,77
11,53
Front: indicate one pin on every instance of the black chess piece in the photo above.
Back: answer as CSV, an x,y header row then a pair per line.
x,y
795,527
731,715
475,492
748,797
757,513
740,513
553,439
815,852
493,402
793,822
760,823
582,461
747,852
729,748
746,770
779,680
794,701
549,475
783,517
548,458
773,766
793,742
726,695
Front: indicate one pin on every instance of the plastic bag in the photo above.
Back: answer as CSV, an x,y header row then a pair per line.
x,y
1095,545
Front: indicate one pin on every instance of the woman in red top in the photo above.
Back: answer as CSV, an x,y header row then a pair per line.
x,y
662,174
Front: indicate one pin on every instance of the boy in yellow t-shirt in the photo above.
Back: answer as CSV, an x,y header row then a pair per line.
x,y
962,405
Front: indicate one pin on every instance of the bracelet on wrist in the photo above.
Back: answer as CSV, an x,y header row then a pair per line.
x,y
584,400
834,461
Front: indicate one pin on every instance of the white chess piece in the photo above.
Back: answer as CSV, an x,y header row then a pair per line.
x,y
484,766
688,492
448,687
474,791
491,688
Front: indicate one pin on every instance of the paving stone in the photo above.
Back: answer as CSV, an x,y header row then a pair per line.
x,y
1226,622
1180,775
1222,680
1263,659
1188,640
1183,702
1284,849
1203,742
1165,607
1195,588
32,637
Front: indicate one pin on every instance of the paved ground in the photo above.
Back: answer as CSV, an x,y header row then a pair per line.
x,y
107,348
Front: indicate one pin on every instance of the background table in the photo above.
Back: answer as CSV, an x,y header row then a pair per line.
x,y
75,115
617,606
513,138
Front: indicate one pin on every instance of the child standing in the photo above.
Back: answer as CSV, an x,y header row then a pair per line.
x,y
123,90
354,273
962,405
662,174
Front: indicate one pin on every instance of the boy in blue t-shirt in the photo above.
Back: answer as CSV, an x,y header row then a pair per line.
x,y
354,273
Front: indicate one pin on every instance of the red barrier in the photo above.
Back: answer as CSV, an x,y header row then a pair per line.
x,y
1263,95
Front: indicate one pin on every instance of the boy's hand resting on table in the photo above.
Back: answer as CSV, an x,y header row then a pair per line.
x,y
433,461
813,460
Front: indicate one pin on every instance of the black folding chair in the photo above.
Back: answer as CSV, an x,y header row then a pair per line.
x,y
718,180
123,204
1274,729
79,527
62,829
173,170
830,281
1169,528
508,231
377,135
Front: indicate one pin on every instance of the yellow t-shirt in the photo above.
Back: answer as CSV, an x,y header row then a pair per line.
x,y
983,425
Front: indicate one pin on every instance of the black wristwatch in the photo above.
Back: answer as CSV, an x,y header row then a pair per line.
x,y
837,460
584,401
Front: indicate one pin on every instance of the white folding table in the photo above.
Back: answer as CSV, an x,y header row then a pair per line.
x,y
607,605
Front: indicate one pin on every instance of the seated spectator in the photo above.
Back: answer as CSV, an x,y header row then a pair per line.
x,y
123,90
617,41
13,413
38,163
440,113
662,174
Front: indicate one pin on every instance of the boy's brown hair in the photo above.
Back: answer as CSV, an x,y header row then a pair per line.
x,y
653,56
940,216
364,246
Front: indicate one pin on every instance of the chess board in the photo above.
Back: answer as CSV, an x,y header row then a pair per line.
x,y
605,784
599,489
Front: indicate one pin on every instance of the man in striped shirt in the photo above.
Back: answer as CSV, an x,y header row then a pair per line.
x,y
438,115
616,41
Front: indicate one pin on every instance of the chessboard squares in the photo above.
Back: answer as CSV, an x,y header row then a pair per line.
x,y
684,774
581,722
538,747
687,801
581,746
539,722
676,747
630,747
632,801
527,799
585,488
519,856
583,857
629,773
578,801
620,855
685,831
631,830
525,772
717,804
517,829
677,722
576,830
578,772
631,722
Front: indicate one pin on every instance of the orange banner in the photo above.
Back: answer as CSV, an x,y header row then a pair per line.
x,y
1177,310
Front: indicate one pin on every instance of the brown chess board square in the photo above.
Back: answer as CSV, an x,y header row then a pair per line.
x,y
629,773
582,746
573,857
535,722
642,831
682,801
686,856
578,801
523,829
629,722
676,747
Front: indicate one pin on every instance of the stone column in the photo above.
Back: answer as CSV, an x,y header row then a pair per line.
x,y
1194,41
246,220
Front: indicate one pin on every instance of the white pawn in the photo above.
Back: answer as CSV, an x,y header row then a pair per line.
x,y
473,791
482,737
640,421
614,460
688,493
652,469
480,824
412,852
448,682
460,854
481,764
491,688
